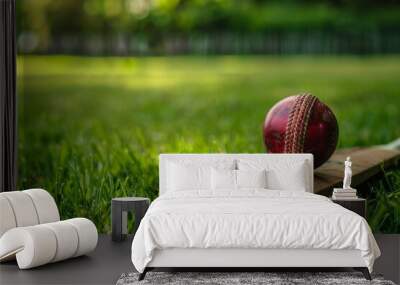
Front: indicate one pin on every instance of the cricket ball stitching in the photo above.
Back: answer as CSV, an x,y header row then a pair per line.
x,y
296,127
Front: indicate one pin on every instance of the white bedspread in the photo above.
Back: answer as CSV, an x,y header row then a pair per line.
x,y
251,219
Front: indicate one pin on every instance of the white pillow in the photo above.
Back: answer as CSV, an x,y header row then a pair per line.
x,y
251,178
223,179
193,174
293,179
188,177
281,175
226,179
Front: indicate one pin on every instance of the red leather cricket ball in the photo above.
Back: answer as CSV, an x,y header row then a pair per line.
x,y
301,124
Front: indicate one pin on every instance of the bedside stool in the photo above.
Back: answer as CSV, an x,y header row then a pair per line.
x,y
119,214
357,205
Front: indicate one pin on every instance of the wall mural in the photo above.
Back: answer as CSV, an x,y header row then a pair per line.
x,y
105,86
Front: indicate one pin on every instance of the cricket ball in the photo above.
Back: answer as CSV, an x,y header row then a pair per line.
x,y
301,124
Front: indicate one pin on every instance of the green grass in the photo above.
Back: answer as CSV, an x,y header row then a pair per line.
x,y
384,202
92,128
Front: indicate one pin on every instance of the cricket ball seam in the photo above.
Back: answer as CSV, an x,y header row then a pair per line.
x,y
296,127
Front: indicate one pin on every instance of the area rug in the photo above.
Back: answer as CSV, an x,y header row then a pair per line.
x,y
269,278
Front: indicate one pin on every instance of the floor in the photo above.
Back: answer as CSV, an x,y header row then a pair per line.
x,y
103,266
389,262
111,259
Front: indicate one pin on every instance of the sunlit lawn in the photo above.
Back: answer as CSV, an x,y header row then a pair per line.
x,y
91,128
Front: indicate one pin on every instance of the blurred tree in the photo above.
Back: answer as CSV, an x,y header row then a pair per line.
x,y
54,23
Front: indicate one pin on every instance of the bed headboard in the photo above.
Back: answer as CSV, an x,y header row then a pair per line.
x,y
268,158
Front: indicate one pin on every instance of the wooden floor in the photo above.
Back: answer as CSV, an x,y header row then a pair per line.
x,y
110,260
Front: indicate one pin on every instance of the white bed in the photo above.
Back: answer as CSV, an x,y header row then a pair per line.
x,y
280,225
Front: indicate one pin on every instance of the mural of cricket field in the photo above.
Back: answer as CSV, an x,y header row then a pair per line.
x,y
91,128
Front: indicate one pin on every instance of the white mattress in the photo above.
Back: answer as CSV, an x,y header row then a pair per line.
x,y
253,219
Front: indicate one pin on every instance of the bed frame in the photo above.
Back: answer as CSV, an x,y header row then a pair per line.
x,y
237,259
249,259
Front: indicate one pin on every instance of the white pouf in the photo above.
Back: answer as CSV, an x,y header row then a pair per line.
x,y
31,230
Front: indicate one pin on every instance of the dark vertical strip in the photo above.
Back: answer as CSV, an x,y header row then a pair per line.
x,y
8,101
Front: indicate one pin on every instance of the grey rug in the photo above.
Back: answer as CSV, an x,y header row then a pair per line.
x,y
228,278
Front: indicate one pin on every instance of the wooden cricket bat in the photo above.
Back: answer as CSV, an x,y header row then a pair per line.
x,y
367,162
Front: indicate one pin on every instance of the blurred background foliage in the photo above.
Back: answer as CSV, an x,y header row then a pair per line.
x,y
122,27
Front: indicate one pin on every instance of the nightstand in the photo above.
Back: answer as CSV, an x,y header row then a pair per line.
x,y
357,205
119,216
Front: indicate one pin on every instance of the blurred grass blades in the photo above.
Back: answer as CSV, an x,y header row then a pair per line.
x,y
91,128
